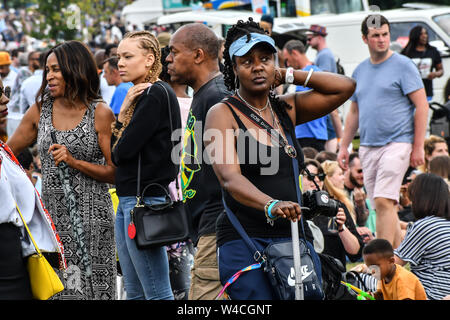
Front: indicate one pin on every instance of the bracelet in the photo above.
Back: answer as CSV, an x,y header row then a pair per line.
x,y
308,77
266,207
270,208
289,76
343,228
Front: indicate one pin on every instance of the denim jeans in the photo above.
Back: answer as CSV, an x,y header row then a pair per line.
x,y
145,272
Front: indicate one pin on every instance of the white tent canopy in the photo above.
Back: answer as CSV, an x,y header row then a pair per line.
x,y
143,11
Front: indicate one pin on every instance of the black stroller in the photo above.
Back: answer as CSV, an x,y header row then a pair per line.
x,y
440,120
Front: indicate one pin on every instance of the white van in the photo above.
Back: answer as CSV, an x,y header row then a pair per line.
x,y
218,20
345,39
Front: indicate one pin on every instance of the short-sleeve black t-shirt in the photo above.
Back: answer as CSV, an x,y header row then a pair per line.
x,y
201,189
426,61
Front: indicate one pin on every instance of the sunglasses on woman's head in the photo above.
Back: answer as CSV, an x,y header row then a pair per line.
x,y
6,91
311,177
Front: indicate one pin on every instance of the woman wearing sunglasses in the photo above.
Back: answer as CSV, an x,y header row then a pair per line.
x,y
341,240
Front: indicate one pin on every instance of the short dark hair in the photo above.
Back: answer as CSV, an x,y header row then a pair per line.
x,y
322,156
309,152
315,163
429,196
296,45
25,158
164,75
351,157
267,18
379,246
113,61
200,36
378,19
108,48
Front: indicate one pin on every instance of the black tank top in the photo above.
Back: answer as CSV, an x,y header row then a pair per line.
x,y
280,185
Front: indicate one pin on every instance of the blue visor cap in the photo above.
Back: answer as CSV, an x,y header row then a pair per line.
x,y
241,47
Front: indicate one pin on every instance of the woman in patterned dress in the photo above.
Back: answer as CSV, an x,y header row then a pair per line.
x,y
68,105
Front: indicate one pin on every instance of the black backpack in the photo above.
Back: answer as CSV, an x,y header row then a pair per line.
x,y
339,67
333,272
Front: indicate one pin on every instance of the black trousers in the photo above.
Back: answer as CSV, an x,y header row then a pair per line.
x,y
14,279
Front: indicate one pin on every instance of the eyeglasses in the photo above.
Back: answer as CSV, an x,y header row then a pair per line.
x,y
6,91
311,177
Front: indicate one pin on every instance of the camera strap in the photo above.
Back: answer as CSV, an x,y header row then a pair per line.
x,y
275,136
261,123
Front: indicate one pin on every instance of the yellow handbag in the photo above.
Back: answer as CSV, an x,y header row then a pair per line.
x,y
45,283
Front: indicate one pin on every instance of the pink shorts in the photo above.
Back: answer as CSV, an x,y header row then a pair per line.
x,y
384,168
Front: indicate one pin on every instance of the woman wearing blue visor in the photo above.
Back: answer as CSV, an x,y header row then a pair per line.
x,y
252,147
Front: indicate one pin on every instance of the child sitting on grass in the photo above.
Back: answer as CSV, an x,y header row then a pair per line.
x,y
394,281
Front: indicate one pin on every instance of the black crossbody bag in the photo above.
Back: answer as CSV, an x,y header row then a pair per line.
x,y
277,258
159,224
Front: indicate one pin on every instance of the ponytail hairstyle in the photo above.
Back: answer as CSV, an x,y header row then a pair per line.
x,y
231,81
329,168
148,42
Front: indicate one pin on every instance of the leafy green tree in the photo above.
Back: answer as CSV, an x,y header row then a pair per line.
x,y
60,23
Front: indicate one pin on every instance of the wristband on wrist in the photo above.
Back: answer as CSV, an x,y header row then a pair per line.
x,y
269,213
343,228
289,77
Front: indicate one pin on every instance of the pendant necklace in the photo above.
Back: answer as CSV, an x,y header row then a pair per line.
x,y
288,149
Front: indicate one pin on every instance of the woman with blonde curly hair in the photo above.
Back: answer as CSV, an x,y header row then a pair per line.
x,y
143,130
346,241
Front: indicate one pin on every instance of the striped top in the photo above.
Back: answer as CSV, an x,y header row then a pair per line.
x,y
427,248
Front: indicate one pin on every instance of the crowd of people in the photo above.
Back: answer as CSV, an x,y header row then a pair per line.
x,y
82,129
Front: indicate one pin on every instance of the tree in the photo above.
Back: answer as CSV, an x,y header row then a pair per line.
x,y
57,19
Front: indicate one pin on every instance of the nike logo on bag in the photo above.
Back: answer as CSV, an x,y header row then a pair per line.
x,y
291,276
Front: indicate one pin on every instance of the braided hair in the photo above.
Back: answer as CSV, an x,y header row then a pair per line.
x,y
147,41
231,81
